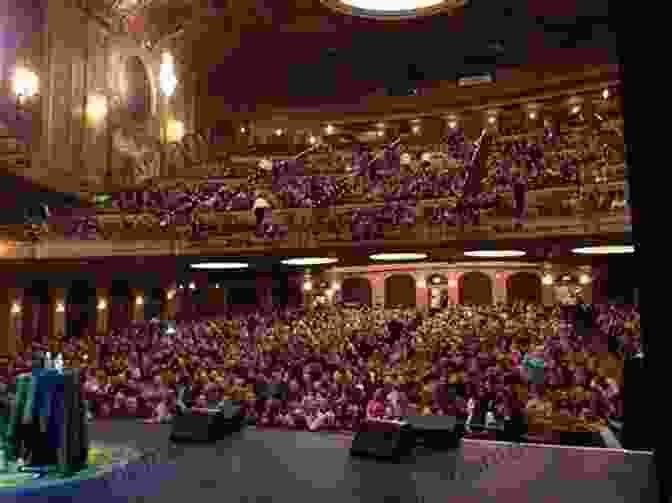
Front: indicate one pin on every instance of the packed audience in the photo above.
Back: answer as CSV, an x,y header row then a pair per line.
x,y
340,365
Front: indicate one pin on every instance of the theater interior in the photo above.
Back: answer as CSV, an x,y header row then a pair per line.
x,y
368,250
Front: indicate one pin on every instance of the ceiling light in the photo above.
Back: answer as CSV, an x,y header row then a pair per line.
x,y
309,261
393,9
494,253
220,265
604,250
398,256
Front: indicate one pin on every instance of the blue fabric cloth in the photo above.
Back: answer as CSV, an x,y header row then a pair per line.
x,y
56,414
44,380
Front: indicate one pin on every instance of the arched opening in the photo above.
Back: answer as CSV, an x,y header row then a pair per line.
x,y
400,291
475,289
81,310
525,287
356,291
139,90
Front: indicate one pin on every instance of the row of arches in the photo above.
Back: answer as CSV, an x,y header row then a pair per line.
x,y
475,288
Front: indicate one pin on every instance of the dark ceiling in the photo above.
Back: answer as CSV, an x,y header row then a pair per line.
x,y
280,53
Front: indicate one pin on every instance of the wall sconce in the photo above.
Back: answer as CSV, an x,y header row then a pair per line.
x,y
170,294
278,132
547,280
96,109
584,279
60,307
181,287
174,131
139,301
329,129
102,305
312,140
192,286
452,124
452,283
416,129
16,308
307,286
421,283
25,84
216,285
167,75
329,293
335,286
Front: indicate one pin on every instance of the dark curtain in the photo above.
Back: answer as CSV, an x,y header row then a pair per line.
x,y
475,289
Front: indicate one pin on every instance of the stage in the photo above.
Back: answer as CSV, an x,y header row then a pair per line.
x,y
267,465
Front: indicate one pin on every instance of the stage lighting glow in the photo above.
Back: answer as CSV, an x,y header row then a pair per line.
x,y
494,253
220,265
310,261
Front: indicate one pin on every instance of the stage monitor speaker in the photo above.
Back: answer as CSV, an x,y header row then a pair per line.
x,y
201,427
437,432
389,445
638,414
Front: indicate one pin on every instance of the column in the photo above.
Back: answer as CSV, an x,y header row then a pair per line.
x,y
307,288
454,287
499,294
102,305
377,289
57,300
421,292
548,297
9,312
137,305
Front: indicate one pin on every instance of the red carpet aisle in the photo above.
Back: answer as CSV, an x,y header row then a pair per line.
x,y
268,466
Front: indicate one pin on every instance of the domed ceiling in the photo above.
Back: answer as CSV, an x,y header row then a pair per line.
x,y
285,53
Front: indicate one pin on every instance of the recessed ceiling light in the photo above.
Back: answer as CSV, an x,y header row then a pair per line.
x,y
310,261
220,265
398,256
604,250
494,253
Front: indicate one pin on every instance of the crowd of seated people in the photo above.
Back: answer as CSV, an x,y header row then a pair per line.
x,y
339,365
425,172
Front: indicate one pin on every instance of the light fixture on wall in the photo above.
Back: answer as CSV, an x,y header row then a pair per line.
x,y
25,84
584,279
312,140
192,286
216,285
307,286
139,301
335,286
547,280
60,307
170,294
167,75
16,308
174,131
421,283
102,305
329,129
96,109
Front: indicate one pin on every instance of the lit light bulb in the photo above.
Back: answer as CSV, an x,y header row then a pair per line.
x,y
605,94
381,133
547,279
60,307
576,109
584,279
307,286
139,301
16,308
416,129
102,305
330,129
192,286
492,119
278,132
533,115
452,124
312,140
242,130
